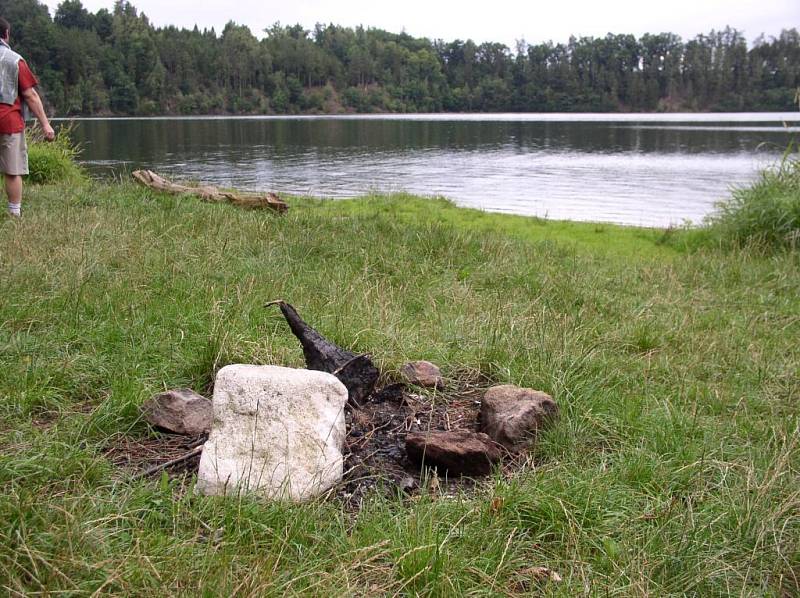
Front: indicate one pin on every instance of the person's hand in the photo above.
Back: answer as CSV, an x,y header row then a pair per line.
x,y
49,133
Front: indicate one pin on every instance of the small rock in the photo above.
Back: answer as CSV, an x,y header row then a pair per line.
x,y
459,452
407,484
181,411
422,373
277,432
512,415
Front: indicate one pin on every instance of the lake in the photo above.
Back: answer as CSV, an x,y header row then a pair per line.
x,y
650,170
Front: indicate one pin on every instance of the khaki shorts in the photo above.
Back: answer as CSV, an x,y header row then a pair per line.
x,y
13,154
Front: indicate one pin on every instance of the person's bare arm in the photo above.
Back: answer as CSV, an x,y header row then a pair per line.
x,y
34,102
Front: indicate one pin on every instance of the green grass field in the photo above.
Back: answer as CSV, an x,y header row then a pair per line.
x,y
672,471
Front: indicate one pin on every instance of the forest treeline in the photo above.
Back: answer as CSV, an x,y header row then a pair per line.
x,y
116,62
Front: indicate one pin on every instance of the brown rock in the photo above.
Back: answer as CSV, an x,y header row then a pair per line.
x,y
512,415
459,452
181,411
422,373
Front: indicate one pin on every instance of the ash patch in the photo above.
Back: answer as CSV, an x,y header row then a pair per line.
x,y
375,455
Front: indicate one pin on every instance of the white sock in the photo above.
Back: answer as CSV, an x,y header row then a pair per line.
x,y
14,208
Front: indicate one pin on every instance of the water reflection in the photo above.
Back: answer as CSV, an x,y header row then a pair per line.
x,y
632,170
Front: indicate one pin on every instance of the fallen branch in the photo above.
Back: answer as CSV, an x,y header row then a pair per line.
x,y
150,179
156,468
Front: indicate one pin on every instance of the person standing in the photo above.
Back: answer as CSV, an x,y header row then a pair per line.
x,y
17,90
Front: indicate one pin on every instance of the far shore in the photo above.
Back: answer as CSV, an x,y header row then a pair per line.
x,y
789,117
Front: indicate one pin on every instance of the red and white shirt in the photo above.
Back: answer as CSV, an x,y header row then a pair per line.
x,y
11,121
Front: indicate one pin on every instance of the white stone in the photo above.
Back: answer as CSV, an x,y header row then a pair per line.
x,y
277,432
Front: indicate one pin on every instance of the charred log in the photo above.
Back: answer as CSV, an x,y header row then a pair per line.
x,y
356,372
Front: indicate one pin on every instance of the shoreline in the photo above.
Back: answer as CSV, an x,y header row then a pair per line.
x,y
621,171
481,116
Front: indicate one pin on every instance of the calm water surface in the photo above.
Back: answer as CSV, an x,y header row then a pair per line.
x,y
652,170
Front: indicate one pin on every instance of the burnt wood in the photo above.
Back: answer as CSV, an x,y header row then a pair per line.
x,y
355,371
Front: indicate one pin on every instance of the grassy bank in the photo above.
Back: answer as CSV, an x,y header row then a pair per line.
x,y
673,470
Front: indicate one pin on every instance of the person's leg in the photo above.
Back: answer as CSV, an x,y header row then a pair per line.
x,y
14,192
14,163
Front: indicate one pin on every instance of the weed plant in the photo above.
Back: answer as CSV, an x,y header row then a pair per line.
x,y
53,162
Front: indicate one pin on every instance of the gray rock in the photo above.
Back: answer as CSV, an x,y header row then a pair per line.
x,y
277,432
407,484
459,452
181,411
422,373
512,415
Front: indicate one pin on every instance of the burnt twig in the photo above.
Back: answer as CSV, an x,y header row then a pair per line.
x,y
162,466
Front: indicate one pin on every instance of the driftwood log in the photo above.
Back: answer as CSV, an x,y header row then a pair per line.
x,y
150,179
356,372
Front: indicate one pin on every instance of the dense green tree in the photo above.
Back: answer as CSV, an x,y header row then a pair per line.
x,y
117,62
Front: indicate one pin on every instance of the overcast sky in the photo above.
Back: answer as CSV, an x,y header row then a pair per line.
x,y
502,20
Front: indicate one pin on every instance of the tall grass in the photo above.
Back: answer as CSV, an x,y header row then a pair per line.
x,y
764,215
54,161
